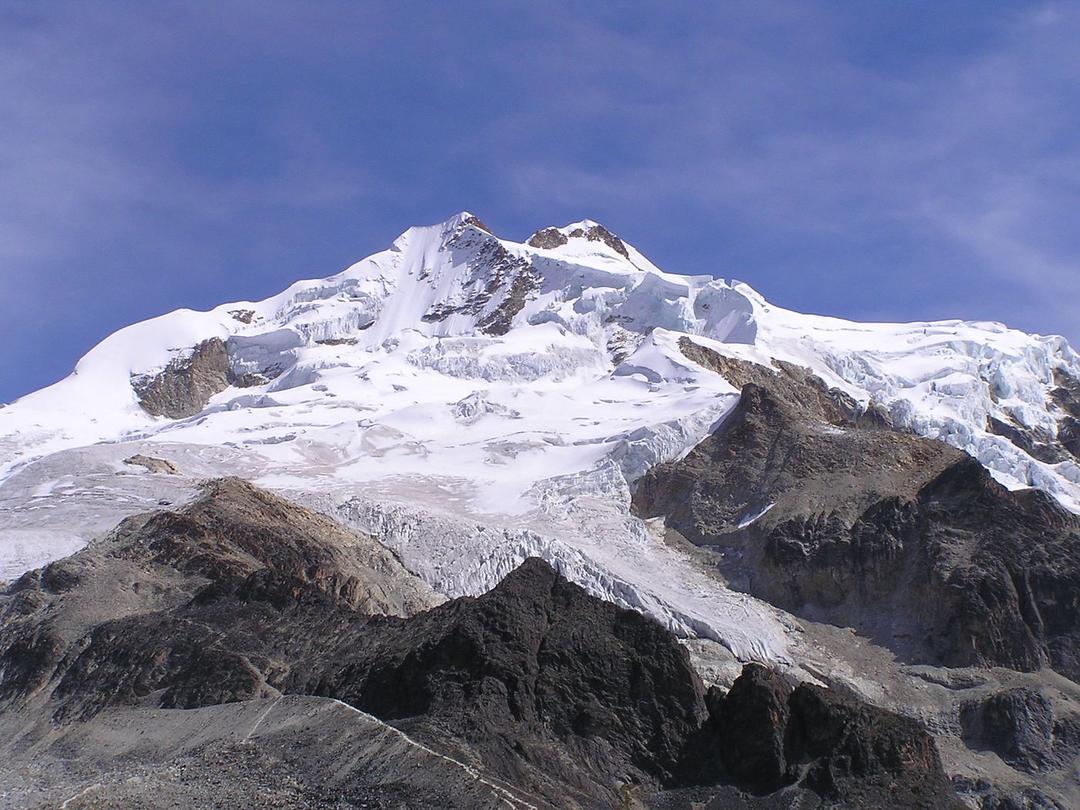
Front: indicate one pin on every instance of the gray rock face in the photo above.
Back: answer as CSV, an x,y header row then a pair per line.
x,y
185,386
1020,726
904,538
287,753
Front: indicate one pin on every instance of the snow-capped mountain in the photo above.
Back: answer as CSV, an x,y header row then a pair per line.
x,y
803,492
503,397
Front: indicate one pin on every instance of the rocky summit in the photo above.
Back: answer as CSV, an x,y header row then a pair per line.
x,y
485,523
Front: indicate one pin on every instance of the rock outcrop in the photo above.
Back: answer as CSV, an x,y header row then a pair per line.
x,y
1067,397
152,464
833,517
1021,726
184,387
804,745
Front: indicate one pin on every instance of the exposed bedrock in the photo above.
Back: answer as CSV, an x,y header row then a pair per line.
x,y
1021,726
768,735
152,464
1066,396
186,384
563,697
818,511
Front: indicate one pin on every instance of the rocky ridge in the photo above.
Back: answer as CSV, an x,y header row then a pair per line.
x,y
818,510
560,699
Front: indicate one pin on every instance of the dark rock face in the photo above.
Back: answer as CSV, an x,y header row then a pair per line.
x,y
499,321
476,222
1039,444
185,386
861,754
242,595
768,736
1067,397
753,720
904,538
1008,564
540,662
493,272
1069,435
794,385
550,238
244,316
114,622
1034,443
1020,726
598,233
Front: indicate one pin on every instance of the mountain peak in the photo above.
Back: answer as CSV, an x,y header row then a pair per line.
x,y
552,238
465,218
451,308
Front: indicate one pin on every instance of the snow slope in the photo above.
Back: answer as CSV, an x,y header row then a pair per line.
x,y
507,396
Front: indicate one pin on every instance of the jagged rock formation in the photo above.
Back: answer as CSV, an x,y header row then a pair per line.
x,y
900,536
1021,726
159,562
770,735
558,696
185,386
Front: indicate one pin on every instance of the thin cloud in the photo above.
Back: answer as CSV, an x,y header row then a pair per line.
x,y
982,156
156,155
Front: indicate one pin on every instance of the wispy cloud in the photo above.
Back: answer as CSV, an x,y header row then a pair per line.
x,y
166,154
975,149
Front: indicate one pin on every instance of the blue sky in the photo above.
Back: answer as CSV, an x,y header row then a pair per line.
x,y
875,160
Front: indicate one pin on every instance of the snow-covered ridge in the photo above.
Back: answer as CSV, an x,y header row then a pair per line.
x,y
455,300
510,384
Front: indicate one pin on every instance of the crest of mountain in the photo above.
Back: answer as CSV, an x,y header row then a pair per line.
x,y
451,306
522,387
750,477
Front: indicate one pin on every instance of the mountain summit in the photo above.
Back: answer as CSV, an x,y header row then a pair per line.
x,y
575,303
506,381
750,477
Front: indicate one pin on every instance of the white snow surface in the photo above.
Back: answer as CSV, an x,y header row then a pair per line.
x,y
473,401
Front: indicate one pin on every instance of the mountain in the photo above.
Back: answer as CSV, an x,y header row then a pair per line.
x,y
751,478
560,698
